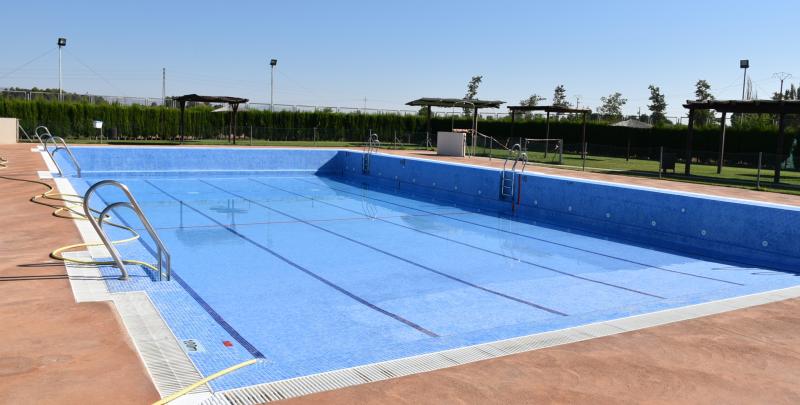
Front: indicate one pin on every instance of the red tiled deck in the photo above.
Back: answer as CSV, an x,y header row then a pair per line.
x,y
56,351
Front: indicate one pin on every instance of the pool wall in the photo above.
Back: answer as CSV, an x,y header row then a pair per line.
x,y
105,161
718,228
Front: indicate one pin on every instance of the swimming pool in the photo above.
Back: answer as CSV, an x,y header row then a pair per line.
x,y
304,260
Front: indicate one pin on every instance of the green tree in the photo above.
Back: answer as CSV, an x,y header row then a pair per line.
x,y
612,106
531,101
702,92
657,105
472,91
560,96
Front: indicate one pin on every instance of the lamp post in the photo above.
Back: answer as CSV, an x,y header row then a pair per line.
x,y
272,64
62,42
781,76
744,64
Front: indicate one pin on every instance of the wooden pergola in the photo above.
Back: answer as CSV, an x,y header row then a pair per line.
x,y
781,108
557,109
233,102
475,104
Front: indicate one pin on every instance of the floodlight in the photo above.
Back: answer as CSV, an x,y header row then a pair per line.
x,y
62,42
744,63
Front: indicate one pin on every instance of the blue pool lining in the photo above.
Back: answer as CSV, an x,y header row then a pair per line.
x,y
303,269
520,234
211,312
478,247
714,198
413,263
240,224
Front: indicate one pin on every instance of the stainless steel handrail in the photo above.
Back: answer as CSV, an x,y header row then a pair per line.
x,y
64,146
514,149
134,206
373,143
46,133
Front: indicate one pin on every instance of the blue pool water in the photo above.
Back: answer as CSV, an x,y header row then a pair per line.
x,y
300,259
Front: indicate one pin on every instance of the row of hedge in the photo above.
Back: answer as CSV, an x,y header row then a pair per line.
x,y
74,120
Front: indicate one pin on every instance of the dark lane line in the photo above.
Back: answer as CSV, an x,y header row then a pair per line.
x,y
430,269
200,301
479,248
538,239
304,270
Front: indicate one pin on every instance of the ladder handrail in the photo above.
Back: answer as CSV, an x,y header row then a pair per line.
x,y
134,206
46,133
373,143
514,149
64,146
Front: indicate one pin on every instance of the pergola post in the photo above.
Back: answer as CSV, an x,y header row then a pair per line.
x,y
512,124
428,131
235,107
628,150
474,128
721,144
779,150
183,110
547,134
690,130
583,138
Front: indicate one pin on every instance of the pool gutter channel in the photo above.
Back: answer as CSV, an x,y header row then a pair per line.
x,y
170,368
336,379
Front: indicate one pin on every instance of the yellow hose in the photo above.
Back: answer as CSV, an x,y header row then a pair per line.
x,y
67,212
214,376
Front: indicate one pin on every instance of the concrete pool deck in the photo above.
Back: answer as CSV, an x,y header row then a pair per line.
x,y
64,352
54,350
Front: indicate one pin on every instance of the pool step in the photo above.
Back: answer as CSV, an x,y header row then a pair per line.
x,y
507,184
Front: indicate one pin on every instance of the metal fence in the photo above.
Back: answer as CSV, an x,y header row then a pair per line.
x,y
754,169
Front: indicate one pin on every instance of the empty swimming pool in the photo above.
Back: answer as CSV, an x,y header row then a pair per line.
x,y
311,262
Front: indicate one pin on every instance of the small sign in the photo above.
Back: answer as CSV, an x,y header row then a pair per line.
x,y
98,124
192,346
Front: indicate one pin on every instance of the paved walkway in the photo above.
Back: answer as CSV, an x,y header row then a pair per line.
x,y
56,351
53,350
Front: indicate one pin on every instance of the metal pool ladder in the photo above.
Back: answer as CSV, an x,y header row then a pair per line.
x,y
64,146
507,176
164,266
373,143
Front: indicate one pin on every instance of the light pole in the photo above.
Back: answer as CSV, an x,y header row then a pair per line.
x,y
781,76
272,64
744,64
62,42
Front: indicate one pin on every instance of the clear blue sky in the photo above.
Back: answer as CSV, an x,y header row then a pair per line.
x,y
337,53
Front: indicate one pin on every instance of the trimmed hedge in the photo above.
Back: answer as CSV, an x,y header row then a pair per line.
x,y
74,120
